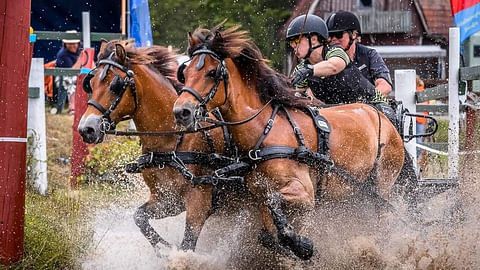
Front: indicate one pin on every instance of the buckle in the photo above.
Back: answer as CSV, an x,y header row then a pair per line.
x,y
253,154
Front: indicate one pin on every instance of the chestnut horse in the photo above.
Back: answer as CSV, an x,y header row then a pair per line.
x,y
288,163
140,83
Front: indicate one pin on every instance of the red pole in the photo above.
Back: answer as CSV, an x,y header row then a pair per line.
x,y
15,58
79,148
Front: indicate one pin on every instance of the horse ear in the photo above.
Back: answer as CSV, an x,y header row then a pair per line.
x,y
103,44
121,54
218,35
192,41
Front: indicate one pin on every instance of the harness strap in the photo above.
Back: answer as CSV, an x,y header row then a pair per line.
x,y
229,147
193,93
296,129
268,127
97,106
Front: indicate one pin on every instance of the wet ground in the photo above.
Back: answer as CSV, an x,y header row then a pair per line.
x,y
443,235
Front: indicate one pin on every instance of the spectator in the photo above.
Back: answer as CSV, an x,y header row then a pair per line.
x,y
421,122
67,56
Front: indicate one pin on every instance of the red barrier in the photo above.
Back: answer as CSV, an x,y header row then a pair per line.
x,y
79,148
16,54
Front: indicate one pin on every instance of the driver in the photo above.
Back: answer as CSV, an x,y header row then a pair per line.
x,y
328,70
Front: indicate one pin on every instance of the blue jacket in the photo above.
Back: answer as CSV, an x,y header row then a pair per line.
x,y
66,59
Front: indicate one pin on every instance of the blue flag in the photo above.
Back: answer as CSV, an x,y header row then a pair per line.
x,y
466,15
140,28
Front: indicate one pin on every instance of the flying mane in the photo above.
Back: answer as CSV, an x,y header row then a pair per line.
x,y
157,58
237,45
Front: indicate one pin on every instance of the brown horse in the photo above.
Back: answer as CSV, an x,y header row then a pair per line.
x,y
140,83
279,140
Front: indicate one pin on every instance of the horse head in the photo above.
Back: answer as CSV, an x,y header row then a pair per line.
x,y
115,86
206,80
226,69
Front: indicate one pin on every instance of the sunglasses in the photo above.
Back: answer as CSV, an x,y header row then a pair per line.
x,y
338,35
294,41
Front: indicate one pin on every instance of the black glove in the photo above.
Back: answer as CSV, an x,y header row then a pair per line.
x,y
302,74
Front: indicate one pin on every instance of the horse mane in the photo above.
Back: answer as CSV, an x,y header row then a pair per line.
x,y
237,45
157,58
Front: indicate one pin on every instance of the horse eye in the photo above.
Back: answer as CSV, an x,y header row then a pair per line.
x,y
211,73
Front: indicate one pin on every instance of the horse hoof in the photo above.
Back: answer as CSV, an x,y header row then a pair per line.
x,y
267,240
303,248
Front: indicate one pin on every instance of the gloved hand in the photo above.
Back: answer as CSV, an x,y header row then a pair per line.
x,y
302,74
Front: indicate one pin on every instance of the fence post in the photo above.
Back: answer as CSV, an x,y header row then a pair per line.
x,y
16,54
36,128
453,101
405,92
79,148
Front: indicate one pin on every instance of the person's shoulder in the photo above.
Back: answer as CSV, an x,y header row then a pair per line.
x,y
61,52
337,51
362,49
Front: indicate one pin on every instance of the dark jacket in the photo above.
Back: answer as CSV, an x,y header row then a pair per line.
x,y
348,86
369,62
66,59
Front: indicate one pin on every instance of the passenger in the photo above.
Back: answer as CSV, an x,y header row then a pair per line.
x,y
344,30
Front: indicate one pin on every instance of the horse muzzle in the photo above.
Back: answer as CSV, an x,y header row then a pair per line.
x,y
91,130
186,115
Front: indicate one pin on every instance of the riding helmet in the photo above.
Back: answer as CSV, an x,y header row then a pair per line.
x,y
343,21
313,25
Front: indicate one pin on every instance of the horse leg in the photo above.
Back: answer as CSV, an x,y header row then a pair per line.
x,y
149,210
409,181
301,246
198,203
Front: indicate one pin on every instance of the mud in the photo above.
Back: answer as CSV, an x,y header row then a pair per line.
x,y
443,234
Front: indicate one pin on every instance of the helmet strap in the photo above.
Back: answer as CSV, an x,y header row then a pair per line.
x,y
350,41
310,48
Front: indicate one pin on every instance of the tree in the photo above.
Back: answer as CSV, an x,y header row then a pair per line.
x,y
173,19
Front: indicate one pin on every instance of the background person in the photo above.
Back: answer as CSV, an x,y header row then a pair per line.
x,y
67,56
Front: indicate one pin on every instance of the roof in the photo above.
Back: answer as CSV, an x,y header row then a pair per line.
x,y
438,15
426,51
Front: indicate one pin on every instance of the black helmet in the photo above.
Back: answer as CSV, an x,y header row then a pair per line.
x,y
343,21
313,25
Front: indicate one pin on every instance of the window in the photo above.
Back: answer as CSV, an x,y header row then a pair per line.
x,y
362,4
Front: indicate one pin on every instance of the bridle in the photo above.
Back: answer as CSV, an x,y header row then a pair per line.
x,y
221,74
118,86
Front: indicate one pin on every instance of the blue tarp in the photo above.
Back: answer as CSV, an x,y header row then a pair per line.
x,y
140,28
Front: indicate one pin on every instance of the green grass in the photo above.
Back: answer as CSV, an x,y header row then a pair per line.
x,y
58,226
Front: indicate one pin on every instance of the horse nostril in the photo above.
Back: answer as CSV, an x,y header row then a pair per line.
x,y
87,131
182,113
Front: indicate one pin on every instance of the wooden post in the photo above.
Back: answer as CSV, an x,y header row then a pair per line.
x,y
16,54
36,128
405,92
79,148
453,101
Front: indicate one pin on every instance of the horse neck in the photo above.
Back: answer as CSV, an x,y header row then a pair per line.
x,y
155,97
243,102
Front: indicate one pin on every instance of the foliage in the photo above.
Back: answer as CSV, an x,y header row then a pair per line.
x,y
173,19
55,229
106,161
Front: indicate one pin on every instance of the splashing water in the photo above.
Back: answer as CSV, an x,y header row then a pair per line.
x,y
444,234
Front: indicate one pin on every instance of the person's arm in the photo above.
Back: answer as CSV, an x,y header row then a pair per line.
x,y
383,86
336,59
380,72
332,66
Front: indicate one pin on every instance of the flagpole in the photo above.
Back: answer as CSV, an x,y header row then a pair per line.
x,y
124,21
